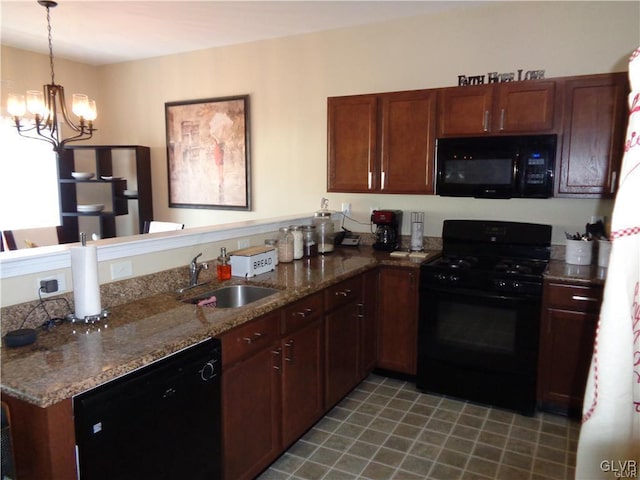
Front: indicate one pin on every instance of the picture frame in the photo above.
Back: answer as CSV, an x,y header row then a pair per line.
x,y
208,153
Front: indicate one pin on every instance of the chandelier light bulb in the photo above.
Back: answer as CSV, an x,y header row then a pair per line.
x,y
15,105
35,102
92,111
80,105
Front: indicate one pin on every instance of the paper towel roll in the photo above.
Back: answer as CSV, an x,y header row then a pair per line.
x,y
86,285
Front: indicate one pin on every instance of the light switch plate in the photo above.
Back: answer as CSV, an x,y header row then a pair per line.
x,y
121,270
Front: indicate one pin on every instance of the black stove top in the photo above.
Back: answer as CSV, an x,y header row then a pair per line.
x,y
492,256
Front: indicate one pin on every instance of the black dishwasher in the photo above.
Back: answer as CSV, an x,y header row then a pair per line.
x,y
159,422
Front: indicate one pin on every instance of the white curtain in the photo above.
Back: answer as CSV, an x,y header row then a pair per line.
x,y
609,445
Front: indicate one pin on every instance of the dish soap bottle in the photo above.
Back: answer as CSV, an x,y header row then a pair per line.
x,y
223,268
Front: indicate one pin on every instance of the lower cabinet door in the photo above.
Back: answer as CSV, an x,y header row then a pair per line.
x,y
302,381
566,348
342,356
398,320
251,414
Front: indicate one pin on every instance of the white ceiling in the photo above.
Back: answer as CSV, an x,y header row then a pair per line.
x,y
104,32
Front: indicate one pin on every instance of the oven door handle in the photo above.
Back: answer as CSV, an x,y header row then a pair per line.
x,y
479,293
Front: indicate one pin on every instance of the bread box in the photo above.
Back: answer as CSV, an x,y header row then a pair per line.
x,y
253,261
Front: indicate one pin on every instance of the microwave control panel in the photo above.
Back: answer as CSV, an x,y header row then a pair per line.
x,y
535,169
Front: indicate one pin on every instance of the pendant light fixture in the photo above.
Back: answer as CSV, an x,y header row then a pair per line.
x,y
49,108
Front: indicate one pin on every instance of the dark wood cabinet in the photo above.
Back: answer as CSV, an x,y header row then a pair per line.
x,y
43,440
382,143
368,322
251,397
342,351
352,137
302,367
594,120
251,414
497,108
121,194
567,334
397,330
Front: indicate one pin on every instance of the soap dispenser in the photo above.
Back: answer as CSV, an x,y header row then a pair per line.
x,y
223,268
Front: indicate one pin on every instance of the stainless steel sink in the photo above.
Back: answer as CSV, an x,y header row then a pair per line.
x,y
234,296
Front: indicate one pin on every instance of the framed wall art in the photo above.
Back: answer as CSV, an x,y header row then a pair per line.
x,y
208,153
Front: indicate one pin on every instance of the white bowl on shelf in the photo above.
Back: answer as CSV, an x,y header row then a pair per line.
x,y
82,175
130,193
90,208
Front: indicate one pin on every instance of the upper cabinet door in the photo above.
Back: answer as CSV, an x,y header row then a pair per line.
x,y
408,142
465,111
525,107
595,111
492,109
352,141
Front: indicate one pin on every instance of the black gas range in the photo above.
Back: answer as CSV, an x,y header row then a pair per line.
x,y
479,312
491,255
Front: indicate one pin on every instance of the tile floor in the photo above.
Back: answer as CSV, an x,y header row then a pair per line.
x,y
385,429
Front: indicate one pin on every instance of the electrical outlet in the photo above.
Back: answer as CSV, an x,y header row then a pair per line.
x,y
346,208
244,243
121,270
58,277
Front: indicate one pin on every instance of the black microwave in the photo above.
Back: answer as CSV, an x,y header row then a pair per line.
x,y
496,167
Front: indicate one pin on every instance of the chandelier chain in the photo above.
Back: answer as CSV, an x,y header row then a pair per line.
x,y
53,80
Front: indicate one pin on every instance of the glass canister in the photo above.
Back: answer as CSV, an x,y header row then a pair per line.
x,y
309,241
285,245
296,232
324,227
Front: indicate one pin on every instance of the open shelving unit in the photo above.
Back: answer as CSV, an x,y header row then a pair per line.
x,y
118,194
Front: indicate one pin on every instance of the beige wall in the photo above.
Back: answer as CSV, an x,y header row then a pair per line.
x,y
289,79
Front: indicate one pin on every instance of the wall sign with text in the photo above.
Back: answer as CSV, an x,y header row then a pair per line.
x,y
495,77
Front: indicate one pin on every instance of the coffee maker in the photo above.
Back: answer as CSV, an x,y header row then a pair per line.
x,y
389,223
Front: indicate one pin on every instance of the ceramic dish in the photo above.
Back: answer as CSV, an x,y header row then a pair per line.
x,y
96,207
82,175
130,193
104,177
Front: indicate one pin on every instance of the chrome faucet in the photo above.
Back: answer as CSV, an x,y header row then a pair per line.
x,y
194,270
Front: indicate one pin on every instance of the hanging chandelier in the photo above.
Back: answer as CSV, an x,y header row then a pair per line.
x,y
47,105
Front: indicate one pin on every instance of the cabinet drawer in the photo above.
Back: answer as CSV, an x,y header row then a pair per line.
x,y
302,313
574,297
249,338
343,292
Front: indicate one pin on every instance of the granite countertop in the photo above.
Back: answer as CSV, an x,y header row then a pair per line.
x,y
72,358
559,270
